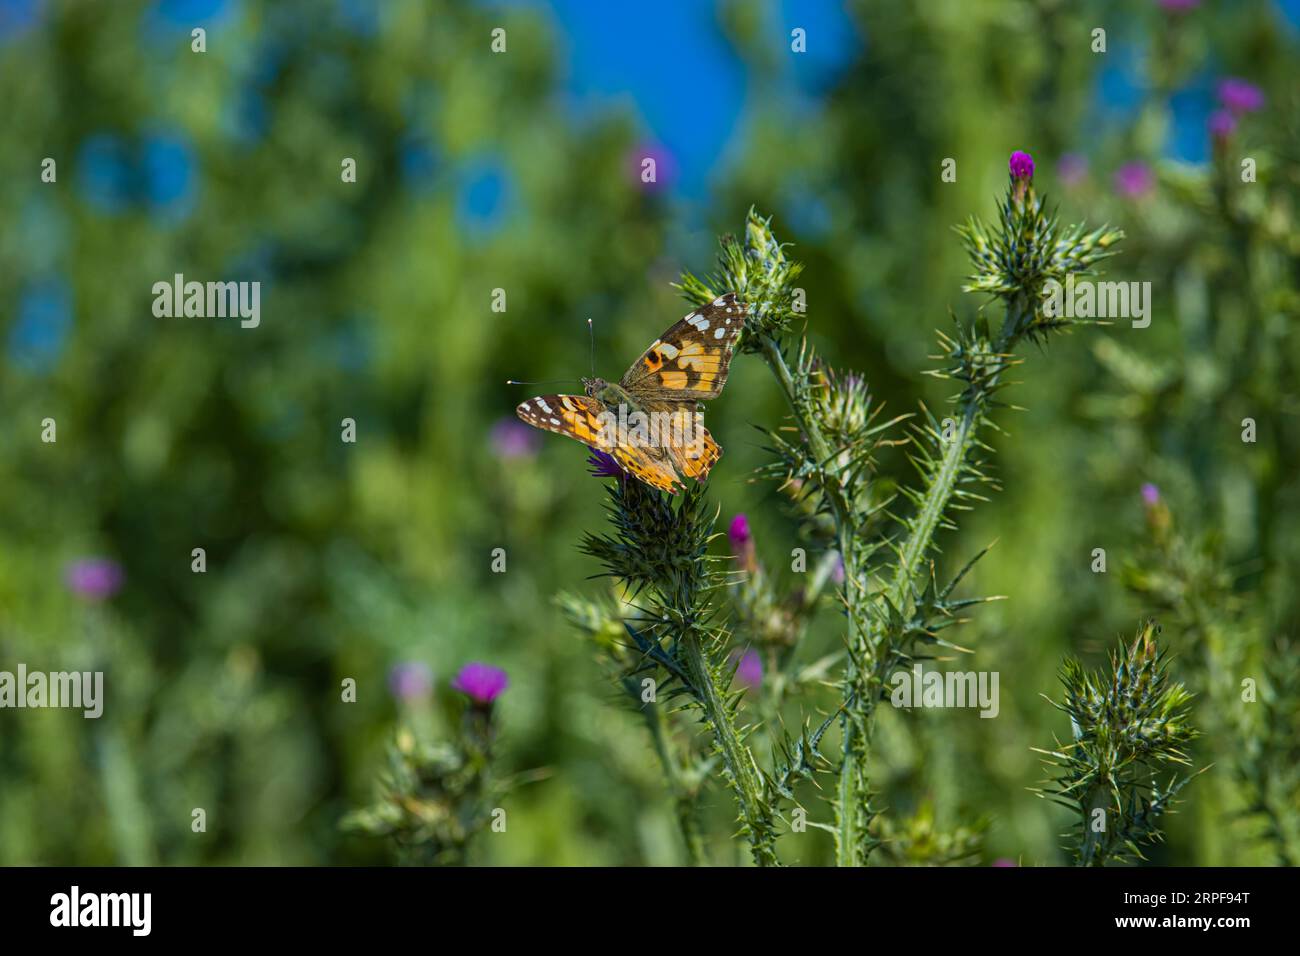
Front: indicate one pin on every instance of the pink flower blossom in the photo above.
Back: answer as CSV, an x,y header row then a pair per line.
x,y
410,681
1072,169
1021,165
749,668
1238,96
94,579
482,683
742,542
1222,124
512,439
1135,180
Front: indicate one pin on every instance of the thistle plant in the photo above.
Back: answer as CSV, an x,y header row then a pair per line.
x,y
659,549
770,619
879,544
629,657
918,841
1128,724
437,795
1253,728
1209,415
1268,764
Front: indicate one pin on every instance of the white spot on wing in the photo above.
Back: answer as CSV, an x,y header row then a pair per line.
x,y
699,321
541,403
669,351
720,333
555,421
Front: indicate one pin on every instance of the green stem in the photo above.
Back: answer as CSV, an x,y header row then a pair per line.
x,y
940,493
1093,850
851,806
936,502
853,784
743,774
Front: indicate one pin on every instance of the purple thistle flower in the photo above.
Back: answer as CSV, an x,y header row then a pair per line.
x,y
603,465
1239,96
1135,180
1003,861
837,572
1222,124
749,668
482,683
1072,169
742,542
738,532
410,681
94,579
1158,516
1021,165
512,439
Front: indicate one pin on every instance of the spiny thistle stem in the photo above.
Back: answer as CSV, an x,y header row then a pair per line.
x,y
930,514
771,352
851,813
659,552
755,814
1096,801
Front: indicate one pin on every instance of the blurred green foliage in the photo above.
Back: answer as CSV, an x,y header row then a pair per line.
x,y
328,560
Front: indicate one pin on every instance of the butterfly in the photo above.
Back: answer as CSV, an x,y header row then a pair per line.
x,y
649,421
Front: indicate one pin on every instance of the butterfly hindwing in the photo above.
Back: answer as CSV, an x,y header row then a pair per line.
x,y
648,464
689,362
577,416
690,447
697,466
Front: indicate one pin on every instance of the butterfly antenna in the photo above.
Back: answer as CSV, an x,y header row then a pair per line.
x,y
566,381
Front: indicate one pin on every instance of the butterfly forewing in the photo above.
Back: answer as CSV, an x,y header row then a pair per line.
x,y
577,416
689,362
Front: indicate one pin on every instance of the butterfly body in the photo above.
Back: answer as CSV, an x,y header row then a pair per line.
x,y
607,393
649,421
